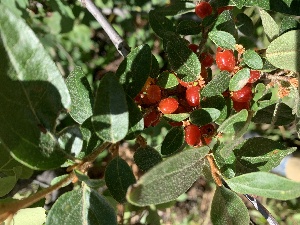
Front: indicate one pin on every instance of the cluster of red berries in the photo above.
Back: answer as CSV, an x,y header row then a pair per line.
x,y
204,9
225,60
156,101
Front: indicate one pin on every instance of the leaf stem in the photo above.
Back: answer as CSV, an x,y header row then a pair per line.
x,y
9,208
117,40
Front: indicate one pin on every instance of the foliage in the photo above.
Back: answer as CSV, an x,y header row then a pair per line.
x,y
64,101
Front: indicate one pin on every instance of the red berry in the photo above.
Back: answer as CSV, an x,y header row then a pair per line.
x,y
203,73
238,106
222,9
225,60
203,9
153,93
243,95
206,59
175,124
192,95
184,84
254,76
193,47
168,105
192,135
207,130
152,118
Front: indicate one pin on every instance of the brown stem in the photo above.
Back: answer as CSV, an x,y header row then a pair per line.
x,y
9,208
214,170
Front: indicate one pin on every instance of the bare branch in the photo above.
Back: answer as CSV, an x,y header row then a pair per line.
x,y
117,40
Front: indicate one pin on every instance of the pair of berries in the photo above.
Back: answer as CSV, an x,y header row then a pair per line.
x,y
199,136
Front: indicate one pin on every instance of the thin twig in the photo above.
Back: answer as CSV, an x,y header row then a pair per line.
x,y
116,39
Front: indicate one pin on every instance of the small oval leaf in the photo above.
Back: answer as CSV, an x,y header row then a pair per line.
x,y
270,26
217,85
188,27
239,80
234,123
222,39
173,141
160,24
253,60
110,119
204,116
166,178
167,80
118,177
146,157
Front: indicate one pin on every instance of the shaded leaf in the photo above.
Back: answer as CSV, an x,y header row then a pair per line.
x,y
234,123
118,177
29,112
244,24
110,119
260,154
81,206
188,27
146,157
183,61
288,23
266,185
176,8
167,80
160,24
135,69
224,22
173,141
166,178
204,116
154,67
228,208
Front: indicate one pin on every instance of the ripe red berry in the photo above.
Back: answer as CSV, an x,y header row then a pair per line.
x,y
152,118
225,60
168,105
207,130
254,76
243,95
206,59
204,73
192,95
153,93
238,106
222,9
193,47
192,135
184,84
203,9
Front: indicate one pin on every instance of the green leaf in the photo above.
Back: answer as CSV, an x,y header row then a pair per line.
x,y
222,39
135,69
260,154
55,180
253,60
234,123
217,102
81,206
7,184
154,67
217,85
224,22
176,117
29,216
92,183
33,93
188,27
283,52
110,119
288,23
170,178
278,113
283,6
244,24
239,3
228,208
118,177
167,80
146,157
70,140
160,24
136,120
204,116
183,61
81,95
266,185
270,26
173,141
90,138
239,80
